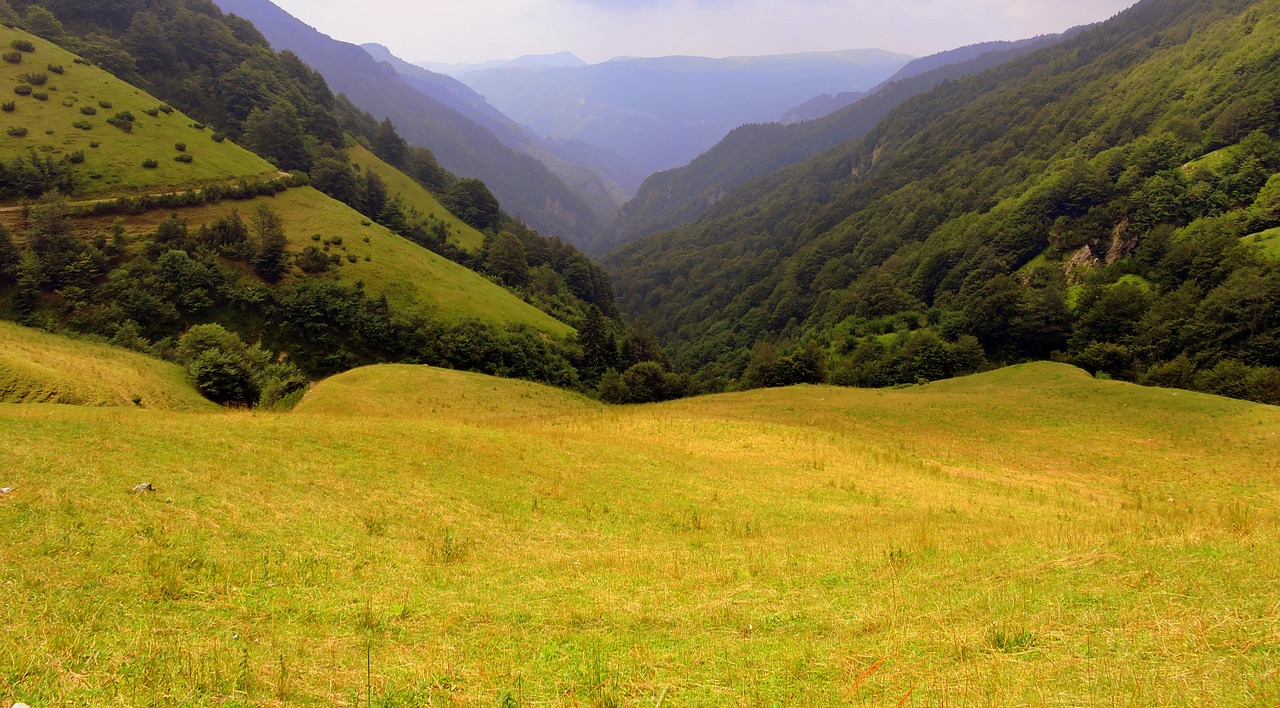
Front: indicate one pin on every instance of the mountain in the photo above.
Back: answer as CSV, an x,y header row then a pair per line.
x,y
559,59
524,186
820,106
661,113
676,197
1108,201
594,174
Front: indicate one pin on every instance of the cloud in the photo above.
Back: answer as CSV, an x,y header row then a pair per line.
x,y
596,30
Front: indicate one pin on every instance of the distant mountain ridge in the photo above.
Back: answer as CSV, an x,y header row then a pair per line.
x,y
676,197
662,112
524,185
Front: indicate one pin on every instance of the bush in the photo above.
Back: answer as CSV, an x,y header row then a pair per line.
x,y
38,79
183,157
55,68
180,147
40,96
153,112
76,157
198,126
150,164
105,104
122,120
88,110
13,57
23,90
166,109
23,45
17,132
218,137
313,260
82,125
94,144
351,258
8,106
336,240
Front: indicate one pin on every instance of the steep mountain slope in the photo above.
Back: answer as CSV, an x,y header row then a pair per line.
x,y
62,108
973,209
523,185
596,179
676,197
661,113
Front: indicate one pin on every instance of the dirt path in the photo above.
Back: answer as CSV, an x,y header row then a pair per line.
x,y
88,202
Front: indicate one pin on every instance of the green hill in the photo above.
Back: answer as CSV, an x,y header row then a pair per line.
x,y
36,367
1020,536
416,196
73,116
973,209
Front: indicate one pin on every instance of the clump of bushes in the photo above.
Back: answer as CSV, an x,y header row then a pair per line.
x,y
55,68
122,120
198,126
166,109
17,132
23,45
313,260
82,125
8,106
183,157
335,240
226,370
23,90
89,110
40,96
218,137
105,104
180,147
13,57
36,79
76,157
150,163
94,144
153,112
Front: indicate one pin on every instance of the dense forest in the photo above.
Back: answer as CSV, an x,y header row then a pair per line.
x,y
58,274
1110,201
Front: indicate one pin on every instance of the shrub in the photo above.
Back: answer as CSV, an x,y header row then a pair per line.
x,y
315,237
180,147
218,137
23,45
8,106
153,112
86,62
336,240
13,57
150,163
89,110
94,144
40,96
122,120
17,132
76,157
166,109
313,260
82,125
23,90
183,157
198,126
55,68
38,79
105,104
351,258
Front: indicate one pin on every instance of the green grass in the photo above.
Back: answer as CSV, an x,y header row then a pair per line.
x,y
411,276
1267,241
37,367
1025,537
417,197
1214,161
115,166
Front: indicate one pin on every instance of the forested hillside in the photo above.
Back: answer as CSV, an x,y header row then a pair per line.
x,y
219,261
676,197
1110,201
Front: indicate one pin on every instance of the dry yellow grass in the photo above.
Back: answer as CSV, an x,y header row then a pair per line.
x,y
1026,537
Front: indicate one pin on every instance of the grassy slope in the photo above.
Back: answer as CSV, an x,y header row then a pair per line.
x,y
36,367
118,159
410,275
1029,536
416,196
1268,241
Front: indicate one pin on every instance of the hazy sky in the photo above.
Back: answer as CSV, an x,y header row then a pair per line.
x,y
596,30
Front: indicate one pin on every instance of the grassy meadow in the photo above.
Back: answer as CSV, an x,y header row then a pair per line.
x,y
73,117
417,197
411,536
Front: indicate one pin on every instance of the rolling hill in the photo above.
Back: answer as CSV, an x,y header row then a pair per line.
x,y
809,545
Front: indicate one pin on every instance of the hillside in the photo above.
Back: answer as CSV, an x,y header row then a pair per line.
x,y
524,186
811,546
1055,206
37,367
660,113
676,197
66,114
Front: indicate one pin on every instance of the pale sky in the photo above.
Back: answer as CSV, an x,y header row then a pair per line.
x,y
457,31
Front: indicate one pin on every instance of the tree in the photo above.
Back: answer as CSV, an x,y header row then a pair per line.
x,y
388,145
505,260
42,23
9,256
471,201
278,135
270,259
599,350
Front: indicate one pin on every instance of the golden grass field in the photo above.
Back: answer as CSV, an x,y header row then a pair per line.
x,y
410,536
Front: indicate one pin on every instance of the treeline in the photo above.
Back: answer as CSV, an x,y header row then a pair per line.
x,y
146,296
1054,208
